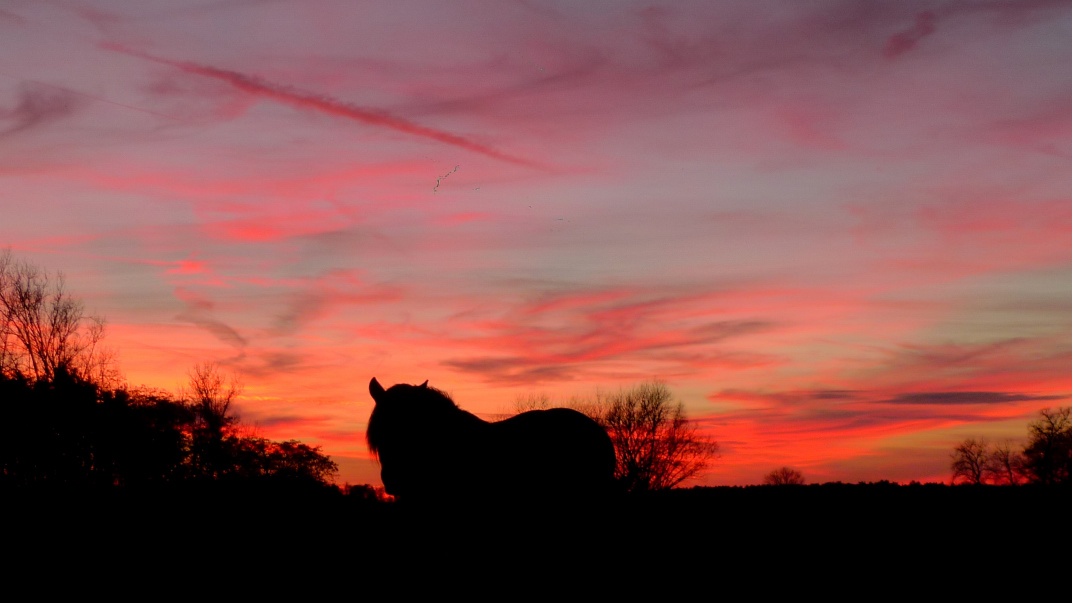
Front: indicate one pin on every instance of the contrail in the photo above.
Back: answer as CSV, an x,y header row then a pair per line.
x,y
305,100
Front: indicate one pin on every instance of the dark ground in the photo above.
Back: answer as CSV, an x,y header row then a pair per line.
x,y
754,537
781,513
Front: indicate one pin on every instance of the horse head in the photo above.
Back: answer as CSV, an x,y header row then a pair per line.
x,y
406,426
380,395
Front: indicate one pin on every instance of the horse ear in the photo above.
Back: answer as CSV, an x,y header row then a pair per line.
x,y
376,390
425,384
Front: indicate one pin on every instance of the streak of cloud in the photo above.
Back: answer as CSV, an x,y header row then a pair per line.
x,y
37,106
199,312
323,104
597,329
513,370
904,41
942,398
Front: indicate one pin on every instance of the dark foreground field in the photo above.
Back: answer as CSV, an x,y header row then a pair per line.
x,y
713,521
732,543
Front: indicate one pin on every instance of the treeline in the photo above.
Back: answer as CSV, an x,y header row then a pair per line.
x,y
69,421
69,432
1046,458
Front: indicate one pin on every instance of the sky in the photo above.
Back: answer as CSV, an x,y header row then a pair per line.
x,y
839,231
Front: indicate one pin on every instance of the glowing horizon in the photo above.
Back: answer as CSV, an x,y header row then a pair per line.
x,y
839,232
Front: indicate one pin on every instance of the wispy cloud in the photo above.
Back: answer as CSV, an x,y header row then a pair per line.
x,y
331,291
955,398
513,370
38,106
906,40
199,312
594,329
330,106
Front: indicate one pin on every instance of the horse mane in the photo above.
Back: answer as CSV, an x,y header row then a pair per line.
x,y
405,407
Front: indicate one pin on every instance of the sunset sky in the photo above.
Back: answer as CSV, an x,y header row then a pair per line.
x,y
839,231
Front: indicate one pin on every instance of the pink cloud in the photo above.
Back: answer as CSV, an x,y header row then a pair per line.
x,y
38,106
190,266
464,218
906,40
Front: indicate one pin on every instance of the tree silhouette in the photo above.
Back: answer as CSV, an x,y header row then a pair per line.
x,y
972,461
656,445
784,476
68,423
210,395
365,494
1048,453
1006,464
44,331
1045,459
291,460
218,448
531,401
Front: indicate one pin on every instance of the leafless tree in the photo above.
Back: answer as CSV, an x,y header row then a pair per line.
x,y
531,401
657,446
784,476
210,394
972,461
1006,464
45,331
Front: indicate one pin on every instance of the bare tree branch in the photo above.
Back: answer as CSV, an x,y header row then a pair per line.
x,y
44,331
210,395
1006,464
656,445
972,461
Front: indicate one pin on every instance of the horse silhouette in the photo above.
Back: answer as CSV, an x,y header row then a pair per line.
x,y
430,449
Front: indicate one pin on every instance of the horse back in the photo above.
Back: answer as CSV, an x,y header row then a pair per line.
x,y
555,451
